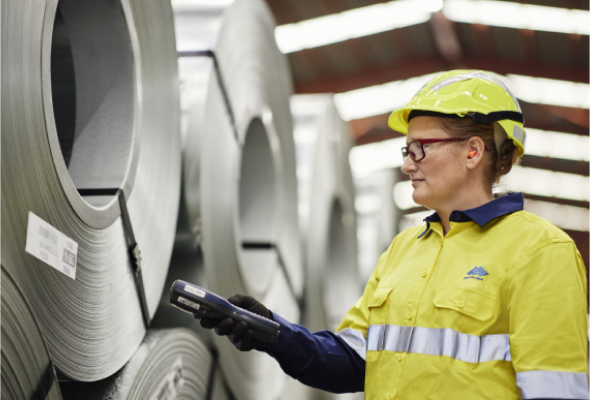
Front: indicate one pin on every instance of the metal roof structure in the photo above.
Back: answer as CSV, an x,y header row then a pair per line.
x,y
442,44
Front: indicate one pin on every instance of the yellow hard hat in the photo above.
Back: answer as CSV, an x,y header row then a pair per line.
x,y
476,94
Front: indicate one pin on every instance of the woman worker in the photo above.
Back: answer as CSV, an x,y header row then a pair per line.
x,y
486,301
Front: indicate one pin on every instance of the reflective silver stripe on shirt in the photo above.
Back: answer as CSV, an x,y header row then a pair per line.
x,y
552,384
356,340
439,342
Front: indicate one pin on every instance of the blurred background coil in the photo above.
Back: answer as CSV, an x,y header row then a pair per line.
x,y
239,169
90,101
327,221
326,211
169,364
27,372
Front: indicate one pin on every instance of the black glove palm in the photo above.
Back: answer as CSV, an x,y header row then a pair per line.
x,y
238,333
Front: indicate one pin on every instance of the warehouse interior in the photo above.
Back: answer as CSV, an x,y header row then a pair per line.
x,y
242,146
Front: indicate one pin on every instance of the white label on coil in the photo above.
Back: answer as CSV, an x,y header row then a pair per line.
x,y
188,303
171,384
194,290
51,246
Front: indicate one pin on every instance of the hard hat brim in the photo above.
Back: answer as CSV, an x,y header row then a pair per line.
x,y
398,121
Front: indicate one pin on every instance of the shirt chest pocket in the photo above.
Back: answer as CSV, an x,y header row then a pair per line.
x,y
378,317
379,306
465,310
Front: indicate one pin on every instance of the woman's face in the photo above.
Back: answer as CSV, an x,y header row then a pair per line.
x,y
439,176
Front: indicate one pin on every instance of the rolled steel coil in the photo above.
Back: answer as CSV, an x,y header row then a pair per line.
x,y
90,103
239,169
27,372
169,364
326,210
378,219
295,390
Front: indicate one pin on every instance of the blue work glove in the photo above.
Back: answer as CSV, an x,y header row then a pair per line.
x,y
238,333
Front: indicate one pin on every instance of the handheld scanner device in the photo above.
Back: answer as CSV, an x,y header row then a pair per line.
x,y
202,303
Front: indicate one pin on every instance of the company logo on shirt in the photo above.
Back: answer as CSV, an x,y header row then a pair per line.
x,y
476,273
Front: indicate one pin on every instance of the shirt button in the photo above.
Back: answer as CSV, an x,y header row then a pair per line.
x,y
424,273
409,316
461,304
400,358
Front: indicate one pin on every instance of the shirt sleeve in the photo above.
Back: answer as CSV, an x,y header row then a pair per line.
x,y
354,325
334,362
546,302
322,360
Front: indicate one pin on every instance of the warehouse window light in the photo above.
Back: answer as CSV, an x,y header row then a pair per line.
x,y
350,24
533,181
429,5
519,16
565,217
549,91
387,154
547,183
201,3
557,145
402,195
382,99
410,220
377,156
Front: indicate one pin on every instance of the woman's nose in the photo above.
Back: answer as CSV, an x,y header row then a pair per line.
x,y
409,166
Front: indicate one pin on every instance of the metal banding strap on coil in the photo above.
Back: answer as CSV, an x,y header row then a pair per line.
x,y
27,371
132,247
169,364
245,190
326,211
271,246
211,53
91,103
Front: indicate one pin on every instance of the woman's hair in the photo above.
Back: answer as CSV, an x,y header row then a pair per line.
x,y
501,161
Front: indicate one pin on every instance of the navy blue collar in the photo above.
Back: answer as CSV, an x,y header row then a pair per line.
x,y
483,214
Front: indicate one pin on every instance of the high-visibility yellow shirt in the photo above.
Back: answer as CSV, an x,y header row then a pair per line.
x,y
495,309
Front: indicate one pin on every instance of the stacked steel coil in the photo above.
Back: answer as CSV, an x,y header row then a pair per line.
x,y
27,371
93,134
169,364
327,219
239,169
326,208
90,101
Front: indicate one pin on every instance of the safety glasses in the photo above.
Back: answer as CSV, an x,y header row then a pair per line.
x,y
416,148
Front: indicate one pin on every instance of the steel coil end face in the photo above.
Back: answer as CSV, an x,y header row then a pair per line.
x,y
243,145
100,112
91,78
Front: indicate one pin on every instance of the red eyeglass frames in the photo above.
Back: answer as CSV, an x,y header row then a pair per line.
x,y
415,149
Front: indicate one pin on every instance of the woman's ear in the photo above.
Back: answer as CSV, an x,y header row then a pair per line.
x,y
476,151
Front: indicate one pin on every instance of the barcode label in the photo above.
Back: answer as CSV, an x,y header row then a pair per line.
x,y
170,386
189,303
51,246
194,290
